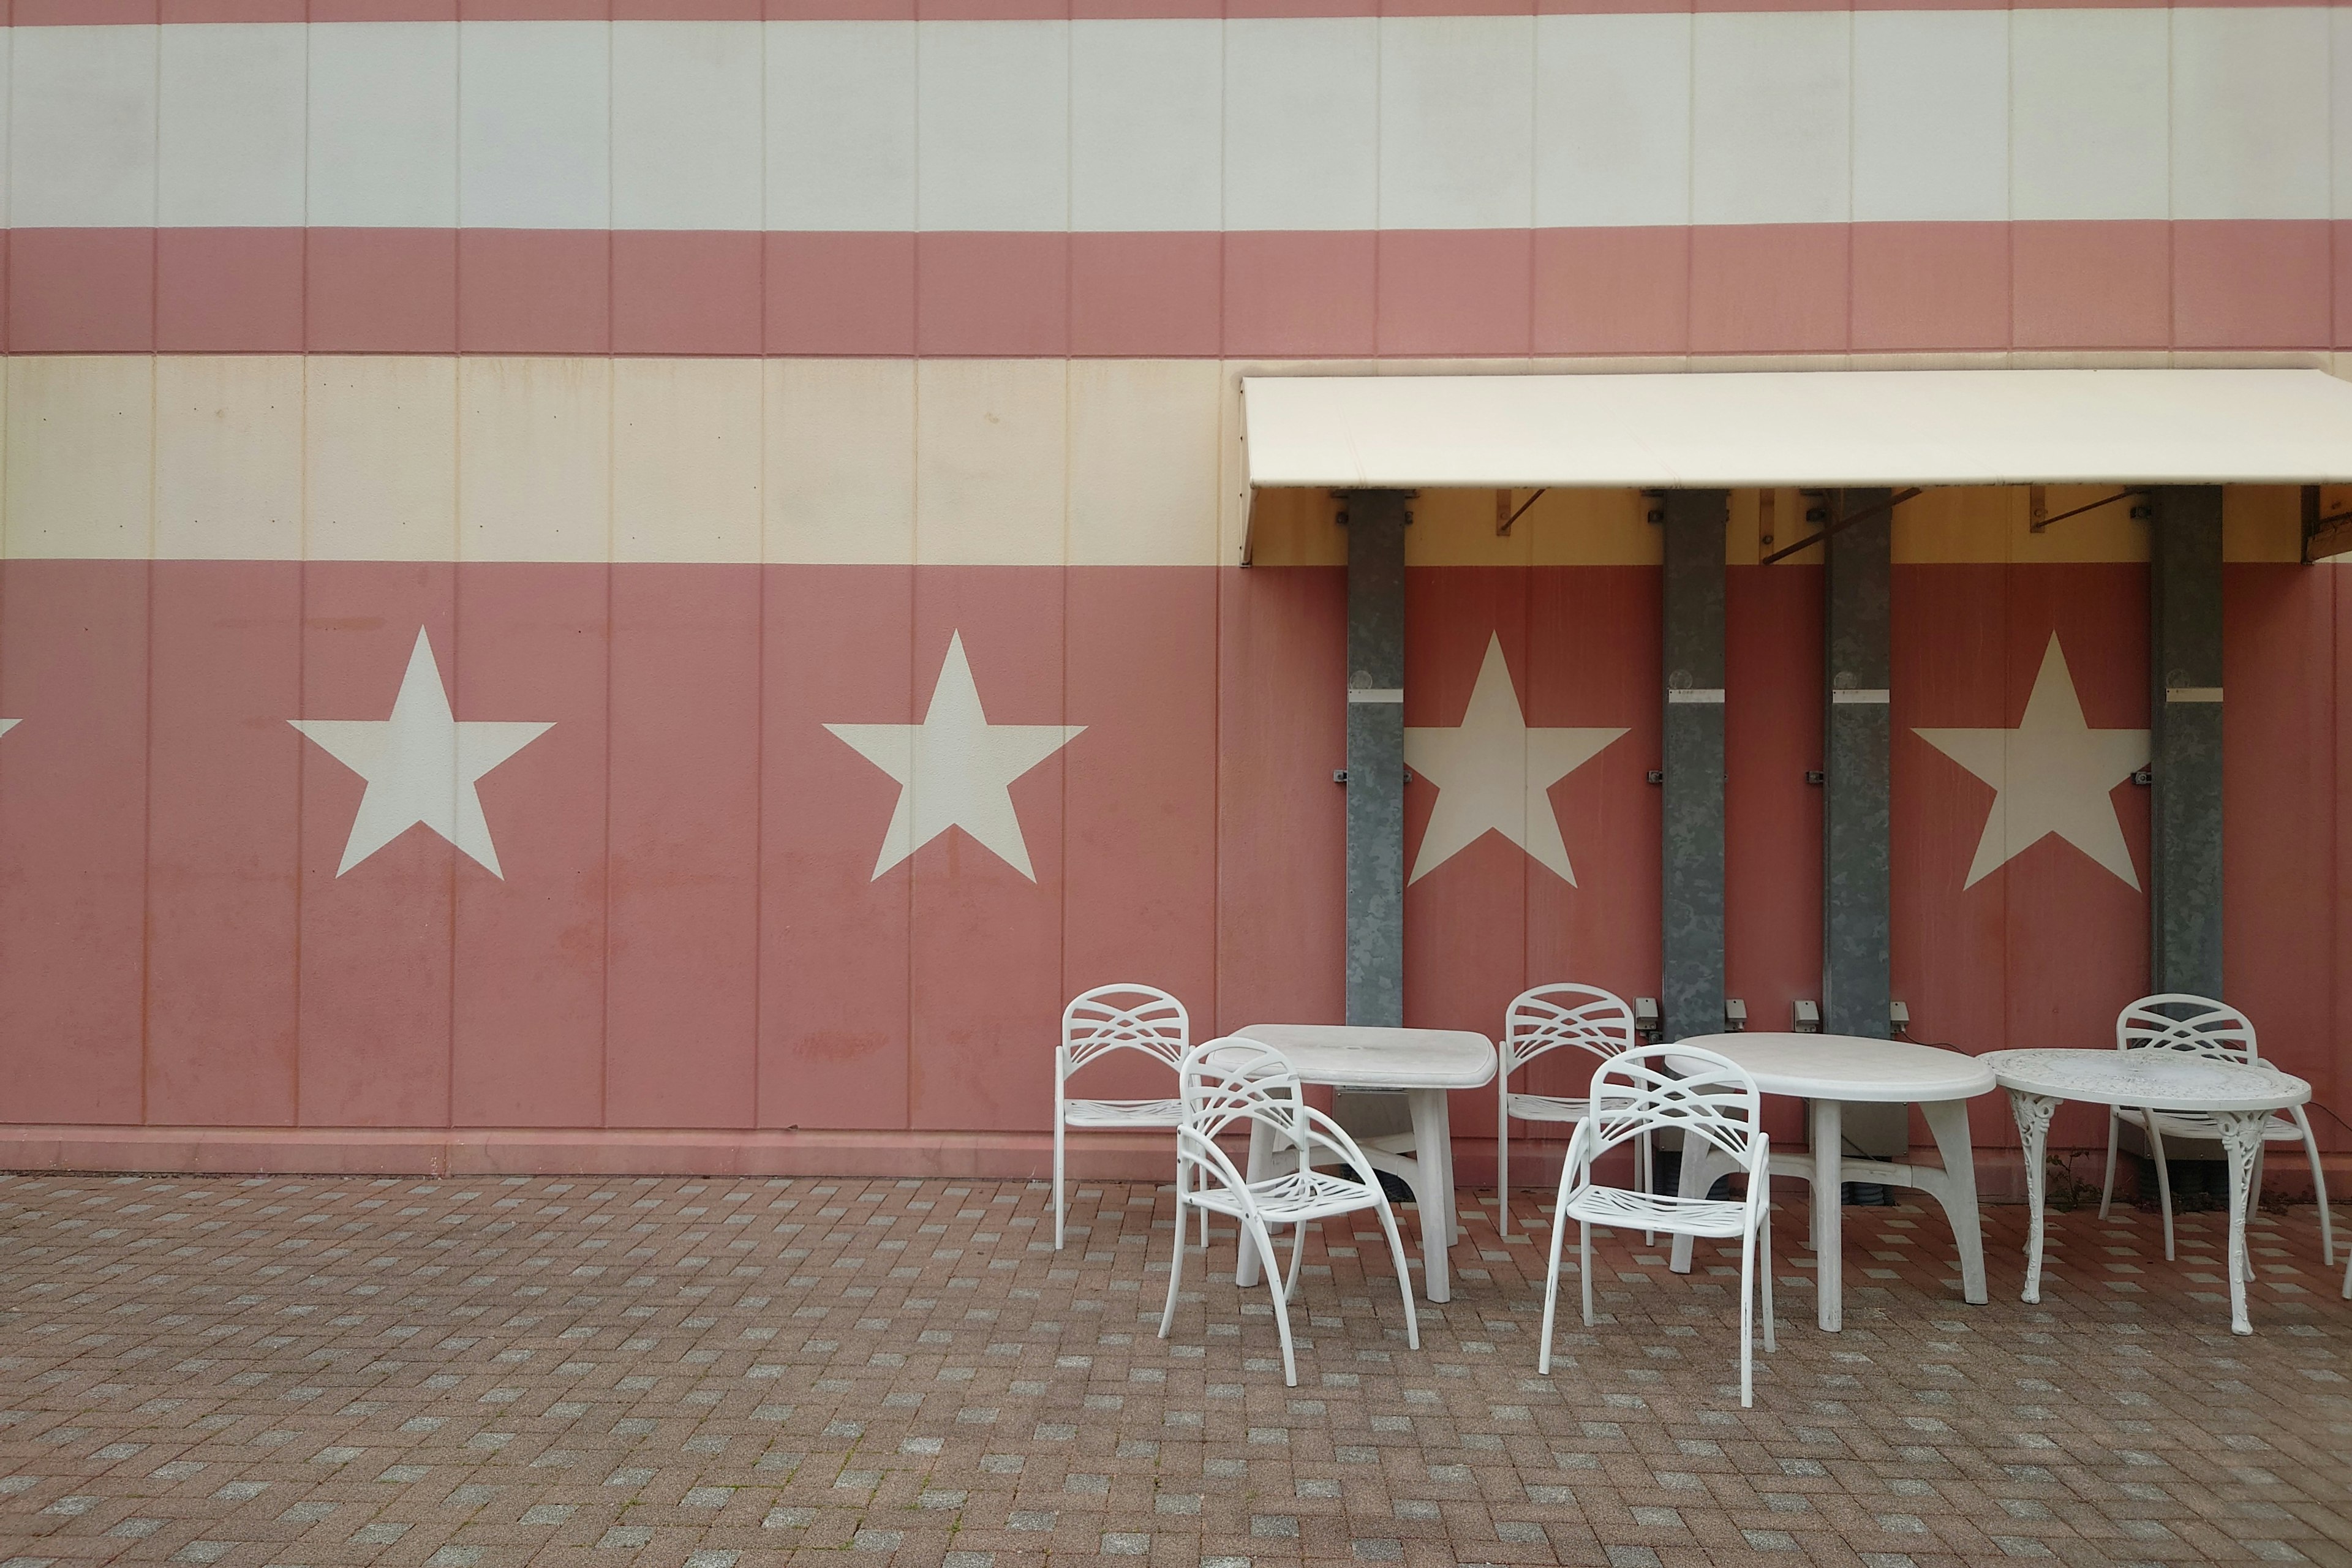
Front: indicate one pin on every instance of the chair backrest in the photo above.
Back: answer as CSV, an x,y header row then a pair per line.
x,y
1123,1017
1549,1016
1236,1081
1679,1088
2177,1021
1233,1080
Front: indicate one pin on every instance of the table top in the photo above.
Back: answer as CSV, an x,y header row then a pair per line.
x,y
2162,1079
1359,1058
1851,1069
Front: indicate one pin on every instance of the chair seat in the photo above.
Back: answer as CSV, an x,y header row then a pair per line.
x,y
1294,1196
1659,1211
1122,1112
2279,1129
1548,1108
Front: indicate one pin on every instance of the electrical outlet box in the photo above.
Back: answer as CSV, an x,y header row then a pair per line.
x,y
1806,1016
1735,1015
1898,1016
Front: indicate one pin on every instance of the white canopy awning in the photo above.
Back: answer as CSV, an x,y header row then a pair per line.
x,y
1802,428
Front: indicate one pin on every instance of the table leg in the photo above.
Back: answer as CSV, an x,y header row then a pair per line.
x,y
1433,1152
1693,1181
1828,1135
2032,1112
1948,1120
2241,1137
1261,1159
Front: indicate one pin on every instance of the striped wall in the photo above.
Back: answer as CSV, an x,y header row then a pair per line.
x,y
695,381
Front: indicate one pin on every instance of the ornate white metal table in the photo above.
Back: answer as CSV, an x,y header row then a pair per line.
x,y
2239,1096
1427,1065
1830,1072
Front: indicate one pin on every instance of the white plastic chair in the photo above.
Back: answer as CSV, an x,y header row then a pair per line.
x,y
1543,1020
2176,1021
1121,1018
1704,1097
1240,1084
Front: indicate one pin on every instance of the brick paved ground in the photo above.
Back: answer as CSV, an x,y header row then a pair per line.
x,y
476,1374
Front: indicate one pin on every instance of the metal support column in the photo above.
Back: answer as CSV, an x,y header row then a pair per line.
x,y
2185,744
1690,994
1376,521
1857,903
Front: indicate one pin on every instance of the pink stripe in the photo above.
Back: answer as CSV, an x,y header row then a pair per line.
x,y
87,12
1494,293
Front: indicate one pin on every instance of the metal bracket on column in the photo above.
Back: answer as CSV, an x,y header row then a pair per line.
x,y
1691,952
2185,739
1376,523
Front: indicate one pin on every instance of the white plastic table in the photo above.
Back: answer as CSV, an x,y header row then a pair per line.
x,y
1427,1065
1833,1071
2239,1096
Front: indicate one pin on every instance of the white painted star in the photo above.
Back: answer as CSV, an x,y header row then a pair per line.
x,y
2052,773
421,765
8,725
1494,774
955,769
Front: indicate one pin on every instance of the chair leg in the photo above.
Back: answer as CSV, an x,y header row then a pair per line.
x,y
1298,1257
1551,1288
2318,1191
1503,1166
1176,1266
1764,1261
2163,1182
2108,1187
1281,1300
1404,1275
1584,1266
1747,1318
1057,1178
1645,1161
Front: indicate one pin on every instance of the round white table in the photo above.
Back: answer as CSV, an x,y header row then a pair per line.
x,y
1426,1065
1830,1072
2239,1096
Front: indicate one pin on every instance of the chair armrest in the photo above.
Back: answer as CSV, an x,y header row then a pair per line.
x,y
1314,1128
1203,1151
1578,1159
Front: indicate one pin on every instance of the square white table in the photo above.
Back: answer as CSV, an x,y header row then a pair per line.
x,y
1832,1071
1427,1065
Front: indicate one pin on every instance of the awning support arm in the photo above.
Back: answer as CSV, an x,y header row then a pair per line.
x,y
1504,527
1841,524
2323,536
2038,524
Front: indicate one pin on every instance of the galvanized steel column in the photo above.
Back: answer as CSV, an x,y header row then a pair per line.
x,y
2185,744
1376,521
1690,994
1857,906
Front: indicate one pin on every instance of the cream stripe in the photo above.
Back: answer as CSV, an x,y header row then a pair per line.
x,y
1016,462
1406,122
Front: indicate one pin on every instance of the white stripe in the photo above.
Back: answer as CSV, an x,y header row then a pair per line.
x,y
2192,694
1383,694
1185,125
1859,696
1694,694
